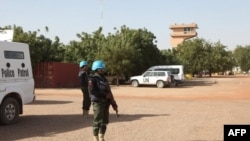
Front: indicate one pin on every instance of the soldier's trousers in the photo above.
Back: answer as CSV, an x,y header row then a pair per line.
x,y
86,99
101,117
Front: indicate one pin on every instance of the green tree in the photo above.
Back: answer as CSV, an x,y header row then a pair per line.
x,y
221,58
86,49
130,51
242,57
169,57
118,53
191,55
198,55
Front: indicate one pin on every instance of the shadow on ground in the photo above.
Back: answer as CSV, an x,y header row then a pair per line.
x,y
199,82
48,102
50,125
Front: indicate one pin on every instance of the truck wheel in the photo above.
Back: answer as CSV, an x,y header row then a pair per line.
x,y
135,83
160,84
9,111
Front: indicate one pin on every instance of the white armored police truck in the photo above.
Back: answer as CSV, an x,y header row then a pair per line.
x,y
16,80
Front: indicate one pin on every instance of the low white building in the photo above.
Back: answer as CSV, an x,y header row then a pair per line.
x,y
6,35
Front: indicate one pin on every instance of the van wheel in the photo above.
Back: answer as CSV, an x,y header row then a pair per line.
x,y
135,83
160,84
9,111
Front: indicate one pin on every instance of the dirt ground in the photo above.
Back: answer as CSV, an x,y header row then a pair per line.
x,y
194,111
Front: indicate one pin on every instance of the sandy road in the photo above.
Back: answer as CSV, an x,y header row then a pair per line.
x,y
191,112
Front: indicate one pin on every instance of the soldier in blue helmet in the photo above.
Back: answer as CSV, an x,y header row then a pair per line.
x,y
101,97
83,75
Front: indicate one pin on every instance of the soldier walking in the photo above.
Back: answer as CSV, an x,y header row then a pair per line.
x,y
101,97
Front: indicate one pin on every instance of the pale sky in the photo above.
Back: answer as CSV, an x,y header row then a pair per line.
x,y
227,21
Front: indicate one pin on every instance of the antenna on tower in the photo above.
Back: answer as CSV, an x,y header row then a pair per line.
x,y
101,10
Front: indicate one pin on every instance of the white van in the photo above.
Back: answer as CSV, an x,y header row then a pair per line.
x,y
16,80
176,70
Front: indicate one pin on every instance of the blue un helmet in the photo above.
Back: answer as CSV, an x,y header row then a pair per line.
x,y
83,63
98,64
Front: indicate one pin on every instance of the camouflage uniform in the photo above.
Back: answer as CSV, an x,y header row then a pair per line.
x,y
98,90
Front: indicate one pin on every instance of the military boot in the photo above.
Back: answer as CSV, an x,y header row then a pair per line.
x,y
96,138
101,137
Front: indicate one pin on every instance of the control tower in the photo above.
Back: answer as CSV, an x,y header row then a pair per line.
x,y
182,32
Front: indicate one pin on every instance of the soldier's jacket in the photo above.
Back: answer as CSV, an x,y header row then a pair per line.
x,y
98,88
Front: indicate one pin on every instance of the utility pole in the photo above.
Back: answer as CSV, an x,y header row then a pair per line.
x,y
101,10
